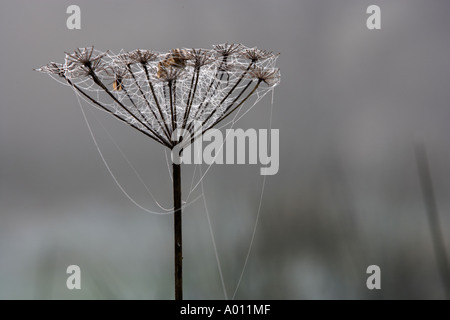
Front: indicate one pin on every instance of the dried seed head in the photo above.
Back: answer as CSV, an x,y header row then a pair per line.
x,y
157,93
142,56
122,59
271,76
82,63
199,57
227,49
256,54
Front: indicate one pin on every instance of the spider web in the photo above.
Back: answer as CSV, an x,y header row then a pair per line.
x,y
169,92
186,202
173,90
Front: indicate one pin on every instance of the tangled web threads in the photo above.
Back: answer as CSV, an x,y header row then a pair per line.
x,y
158,93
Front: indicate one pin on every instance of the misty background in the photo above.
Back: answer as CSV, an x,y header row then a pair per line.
x,y
350,106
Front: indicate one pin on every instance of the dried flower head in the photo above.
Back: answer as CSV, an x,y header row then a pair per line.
x,y
158,93
270,76
199,57
227,49
142,56
82,62
256,54
123,59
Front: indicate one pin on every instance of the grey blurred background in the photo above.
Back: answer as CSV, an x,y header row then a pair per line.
x,y
350,106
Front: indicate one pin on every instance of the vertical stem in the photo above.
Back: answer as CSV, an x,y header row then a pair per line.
x,y
433,217
172,109
178,232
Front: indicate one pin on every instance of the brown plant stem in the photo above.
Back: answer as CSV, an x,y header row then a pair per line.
x,y
101,85
194,134
146,101
178,231
155,98
156,138
172,108
191,96
229,93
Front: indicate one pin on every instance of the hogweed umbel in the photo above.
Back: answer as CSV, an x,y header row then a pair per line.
x,y
160,93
